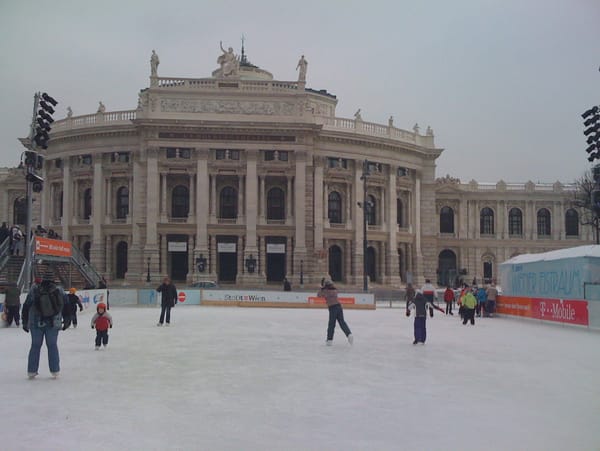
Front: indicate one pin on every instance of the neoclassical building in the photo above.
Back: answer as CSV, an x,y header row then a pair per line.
x,y
244,179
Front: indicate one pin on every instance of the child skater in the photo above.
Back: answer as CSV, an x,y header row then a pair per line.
x,y
101,321
420,304
70,309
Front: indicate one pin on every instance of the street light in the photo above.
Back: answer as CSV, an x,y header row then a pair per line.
x,y
250,264
148,274
301,272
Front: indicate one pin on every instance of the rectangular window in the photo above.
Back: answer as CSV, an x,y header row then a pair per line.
x,y
283,156
220,154
86,159
234,154
269,155
185,153
120,157
171,152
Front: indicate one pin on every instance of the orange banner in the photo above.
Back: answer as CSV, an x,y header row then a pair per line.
x,y
572,311
56,248
317,300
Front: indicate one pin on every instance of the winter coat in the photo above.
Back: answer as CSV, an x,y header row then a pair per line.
x,y
169,294
481,296
71,303
469,300
428,291
330,294
32,317
101,321
12,296
491,293
448,295
420,303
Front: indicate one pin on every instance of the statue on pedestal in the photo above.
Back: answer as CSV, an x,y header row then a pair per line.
x,y
302,65
69,112
101,107
357,115
230,64
154,62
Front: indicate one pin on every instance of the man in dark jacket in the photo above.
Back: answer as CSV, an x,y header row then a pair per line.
x,y
169,298
420,304
12,303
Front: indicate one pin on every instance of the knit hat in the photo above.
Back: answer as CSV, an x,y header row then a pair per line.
x,y
102,305
72,290
327,281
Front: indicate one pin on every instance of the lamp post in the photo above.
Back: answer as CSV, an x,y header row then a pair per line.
x,y
301,272
365,206
148,274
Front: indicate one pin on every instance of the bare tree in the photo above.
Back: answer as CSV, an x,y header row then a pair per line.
x,y
583,202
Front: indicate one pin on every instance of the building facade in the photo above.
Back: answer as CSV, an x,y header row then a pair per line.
x,y
244,179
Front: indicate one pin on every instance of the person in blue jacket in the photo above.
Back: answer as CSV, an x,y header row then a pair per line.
x,y
481,296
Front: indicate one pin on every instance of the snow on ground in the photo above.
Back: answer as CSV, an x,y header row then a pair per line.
x,y
262,379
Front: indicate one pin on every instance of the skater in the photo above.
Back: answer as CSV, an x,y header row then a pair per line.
x,y
70,309
449,299
491,293
42,316
421,304
336,313
12,303
101,321
469,303
481,297
169,297
410,293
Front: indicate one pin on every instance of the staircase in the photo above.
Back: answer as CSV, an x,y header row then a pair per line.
x,y
11,270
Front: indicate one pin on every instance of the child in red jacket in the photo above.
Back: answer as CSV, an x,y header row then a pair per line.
x,y
101,321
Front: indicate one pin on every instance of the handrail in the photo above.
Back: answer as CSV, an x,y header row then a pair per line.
x,y
84,266
4,252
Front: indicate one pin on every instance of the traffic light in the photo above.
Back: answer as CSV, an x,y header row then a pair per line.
x,y
37,182
592,123
43,120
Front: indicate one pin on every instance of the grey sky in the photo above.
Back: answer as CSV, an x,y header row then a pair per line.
x,y
501,82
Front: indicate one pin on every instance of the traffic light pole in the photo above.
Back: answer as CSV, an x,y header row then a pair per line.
x,y
27,276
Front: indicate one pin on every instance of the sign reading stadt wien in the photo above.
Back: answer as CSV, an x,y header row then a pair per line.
x,y
57,248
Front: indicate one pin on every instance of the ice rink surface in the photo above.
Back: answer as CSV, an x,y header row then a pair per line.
x,y
262,379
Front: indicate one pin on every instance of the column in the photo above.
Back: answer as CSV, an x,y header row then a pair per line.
x,y
300,202
202,206
67,216
241,213
318,194
251,216
152,200
262,212
392,250
163,197
192,191
358,225
213,198
288,201
108,195
96,252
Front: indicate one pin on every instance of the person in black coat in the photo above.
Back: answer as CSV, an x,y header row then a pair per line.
x,y
169,297
72,302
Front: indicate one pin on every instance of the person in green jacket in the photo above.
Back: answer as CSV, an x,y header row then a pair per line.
x,y
469,303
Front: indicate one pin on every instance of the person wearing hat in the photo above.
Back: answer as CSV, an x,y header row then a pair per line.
x,y
101,321
336,313
72,301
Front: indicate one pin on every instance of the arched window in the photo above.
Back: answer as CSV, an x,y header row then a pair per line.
x,y
543,222
334,207
486,221
121,257
371,211
399,212
180,202
122,202
20,211
515,222
571,222
228,203
275,204
87,203
446,220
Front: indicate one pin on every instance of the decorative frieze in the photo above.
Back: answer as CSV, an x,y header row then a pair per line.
x,y
170,105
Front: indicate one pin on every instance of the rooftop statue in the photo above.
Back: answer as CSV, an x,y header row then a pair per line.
x,y
154,62
101,107
302,64
357,116
230,64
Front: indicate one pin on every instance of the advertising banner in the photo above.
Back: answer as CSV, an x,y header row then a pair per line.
x,y
282,298
56,248
556,310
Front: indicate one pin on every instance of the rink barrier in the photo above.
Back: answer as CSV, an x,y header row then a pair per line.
x,y
243,298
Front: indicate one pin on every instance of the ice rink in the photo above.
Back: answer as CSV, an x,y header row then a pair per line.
x,y
242,379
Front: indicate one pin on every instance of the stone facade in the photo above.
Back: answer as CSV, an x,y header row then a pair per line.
x,y
209,175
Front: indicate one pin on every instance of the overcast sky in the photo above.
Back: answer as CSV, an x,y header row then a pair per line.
x,y
502,83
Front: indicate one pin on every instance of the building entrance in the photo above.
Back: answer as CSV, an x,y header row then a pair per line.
x,y
276,269
177,257
227,258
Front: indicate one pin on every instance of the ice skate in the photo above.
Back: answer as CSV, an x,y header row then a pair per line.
x,y
329,342
97,348
350,338
159,324
54,375
32,375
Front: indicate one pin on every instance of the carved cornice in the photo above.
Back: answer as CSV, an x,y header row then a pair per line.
x,y
245,107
